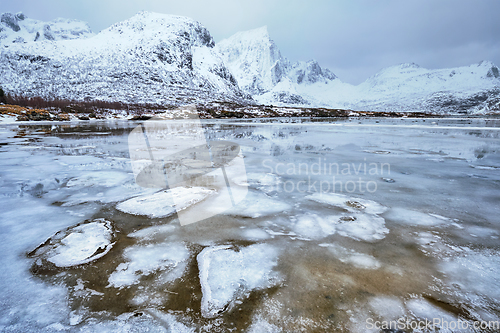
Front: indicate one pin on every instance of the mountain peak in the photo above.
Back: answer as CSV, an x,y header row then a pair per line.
x,y
17,28
155,26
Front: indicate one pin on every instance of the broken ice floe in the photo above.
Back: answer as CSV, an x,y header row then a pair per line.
x,y
165,203
348,203
257,205
358,226
168,258
227,274
77,245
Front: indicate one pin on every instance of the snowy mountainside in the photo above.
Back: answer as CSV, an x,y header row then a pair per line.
x,y
17,28
253,58
258,66
149,58
464,89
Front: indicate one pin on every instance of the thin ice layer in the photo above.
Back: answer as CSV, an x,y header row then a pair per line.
x,y
411,217
227,274
351,204
366,227
161,204
257,205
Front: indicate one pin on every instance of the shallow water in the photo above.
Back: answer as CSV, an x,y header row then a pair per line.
x,y
345,221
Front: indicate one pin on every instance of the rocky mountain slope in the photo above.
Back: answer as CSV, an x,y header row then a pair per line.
x,y
150,58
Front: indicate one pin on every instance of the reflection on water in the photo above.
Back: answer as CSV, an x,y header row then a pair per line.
x,y
344,220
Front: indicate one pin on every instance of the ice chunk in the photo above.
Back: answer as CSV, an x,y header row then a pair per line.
x,y
412,217
227,274
77,245
257,179
161,204
145,260
348,203
257,205
359,226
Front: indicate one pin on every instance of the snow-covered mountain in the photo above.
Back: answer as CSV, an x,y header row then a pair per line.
x,y
150,58
474,88
164,59
17,28
257,64
261,71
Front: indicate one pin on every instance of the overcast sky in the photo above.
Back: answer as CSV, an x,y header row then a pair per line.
x,y
355,39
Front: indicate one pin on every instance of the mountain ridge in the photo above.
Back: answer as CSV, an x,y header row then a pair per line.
x,y
167,59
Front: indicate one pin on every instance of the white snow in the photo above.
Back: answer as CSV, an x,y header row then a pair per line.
x,y
227,274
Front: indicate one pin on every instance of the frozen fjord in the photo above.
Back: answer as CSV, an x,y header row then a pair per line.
x,y
424,241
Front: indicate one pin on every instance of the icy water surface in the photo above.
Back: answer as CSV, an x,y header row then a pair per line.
x,y
347,224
